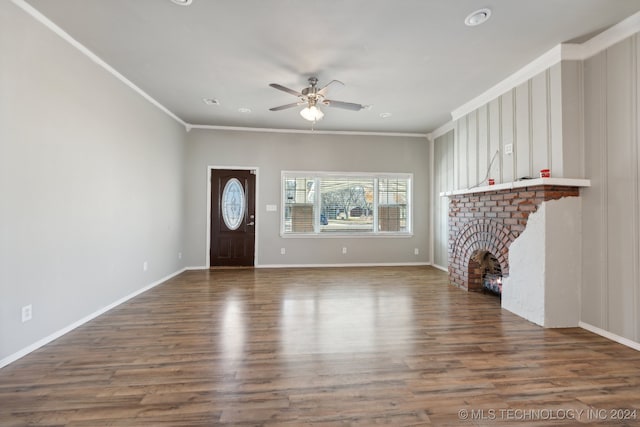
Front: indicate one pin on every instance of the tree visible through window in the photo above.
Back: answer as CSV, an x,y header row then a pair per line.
x,y
329,203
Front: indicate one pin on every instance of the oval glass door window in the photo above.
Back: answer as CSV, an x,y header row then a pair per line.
x,y
233,204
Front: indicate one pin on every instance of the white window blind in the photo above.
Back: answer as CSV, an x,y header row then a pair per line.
x,y
393,196
323,203
299,204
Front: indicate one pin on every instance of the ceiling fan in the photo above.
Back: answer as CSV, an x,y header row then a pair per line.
x,y
311,97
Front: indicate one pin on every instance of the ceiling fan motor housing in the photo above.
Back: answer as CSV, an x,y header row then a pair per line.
x,y
311,96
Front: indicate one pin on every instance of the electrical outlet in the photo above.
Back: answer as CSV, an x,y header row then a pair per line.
x,y
416,251
145,266
344,250
27,313
179,255
508,149
283,251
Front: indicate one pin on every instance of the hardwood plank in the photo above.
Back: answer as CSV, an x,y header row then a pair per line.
x,y
317,347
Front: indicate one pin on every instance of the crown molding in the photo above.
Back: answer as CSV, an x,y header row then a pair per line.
x,y
609,37
445,128
304,131
95,58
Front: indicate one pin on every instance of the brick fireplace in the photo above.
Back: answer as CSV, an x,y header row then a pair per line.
x,y
529,233
490,221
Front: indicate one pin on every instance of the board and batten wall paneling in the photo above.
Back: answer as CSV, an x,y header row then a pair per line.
x,y
461,150
472,148
572,119
540,126
483,143
507,129
620,172
530,118
494,139
522,147
611,235
594,215
443,181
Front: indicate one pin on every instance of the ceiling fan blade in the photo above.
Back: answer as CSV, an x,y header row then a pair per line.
x,y
284,107
345,105
324,89
285,89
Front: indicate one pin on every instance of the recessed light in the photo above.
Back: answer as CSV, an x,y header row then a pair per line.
x,y
182,2
385,115
478,17
244,110
210,101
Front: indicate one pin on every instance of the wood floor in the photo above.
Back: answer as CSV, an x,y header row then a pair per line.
x,y
320,347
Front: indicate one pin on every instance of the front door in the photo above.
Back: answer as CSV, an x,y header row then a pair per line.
x,y
232,217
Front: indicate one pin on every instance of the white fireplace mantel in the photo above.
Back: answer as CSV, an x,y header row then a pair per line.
x,y
566,182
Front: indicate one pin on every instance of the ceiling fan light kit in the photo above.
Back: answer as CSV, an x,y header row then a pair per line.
x,y
313,113
311,96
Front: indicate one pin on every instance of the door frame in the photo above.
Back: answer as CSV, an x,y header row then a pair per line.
x,y
256,170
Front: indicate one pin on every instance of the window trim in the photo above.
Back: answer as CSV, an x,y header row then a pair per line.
x,y
317,175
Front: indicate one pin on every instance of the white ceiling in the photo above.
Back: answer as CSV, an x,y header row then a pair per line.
x,y
414,59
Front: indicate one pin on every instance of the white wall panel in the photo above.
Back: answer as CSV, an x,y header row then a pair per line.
x,y
443,181
556,164
620,198
494,135
540,137
522,124
508,135
472,149
462,150
483,142
611,235
594,220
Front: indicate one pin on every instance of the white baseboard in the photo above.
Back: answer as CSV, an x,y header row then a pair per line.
x,y
377,264
46,340
389,264
613,337
439,267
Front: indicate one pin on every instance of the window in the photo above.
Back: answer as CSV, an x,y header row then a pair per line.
x,y
322,203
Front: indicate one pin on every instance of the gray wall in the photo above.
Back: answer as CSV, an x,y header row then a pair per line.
x,y
275,152
91,178
443,181
611,222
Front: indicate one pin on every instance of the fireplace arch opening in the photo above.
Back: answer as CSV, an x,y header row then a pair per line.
x,y
478,234
485,273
